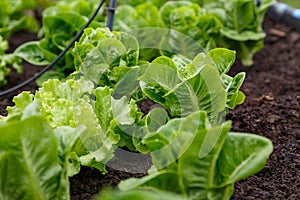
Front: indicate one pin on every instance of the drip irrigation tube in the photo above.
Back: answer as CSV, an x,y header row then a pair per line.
x,y
3,93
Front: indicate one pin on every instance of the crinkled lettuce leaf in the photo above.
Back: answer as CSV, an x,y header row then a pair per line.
x,y
69,106
15,113
116,115
142,15
104,57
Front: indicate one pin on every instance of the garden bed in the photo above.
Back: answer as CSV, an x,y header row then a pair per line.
x,y
272,109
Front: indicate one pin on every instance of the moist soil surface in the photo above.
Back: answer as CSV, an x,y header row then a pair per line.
x,y
271,109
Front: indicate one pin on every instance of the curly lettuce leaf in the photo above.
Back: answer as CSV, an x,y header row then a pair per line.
x,y
68,106
180,15
104,57
116,116
21,101
142,15
64,104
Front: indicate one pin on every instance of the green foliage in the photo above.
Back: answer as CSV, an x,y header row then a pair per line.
x,y
94,110
210,23
179,84
103,56
157,3
7,59
292,3
234,24
61,22
209,160
142,194
29,161
66,108
13,19
243,26
183,95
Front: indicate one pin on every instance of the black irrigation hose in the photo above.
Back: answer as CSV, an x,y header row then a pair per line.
x,y
57,58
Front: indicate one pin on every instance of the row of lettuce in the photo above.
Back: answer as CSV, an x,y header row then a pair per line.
x,y
81,121
13,19
234,24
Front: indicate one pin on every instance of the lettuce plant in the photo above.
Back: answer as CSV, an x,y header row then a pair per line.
x,y
189,145
242,25
179,84
55,102
199,161
103,56
234,24
13,19
7,59
61,22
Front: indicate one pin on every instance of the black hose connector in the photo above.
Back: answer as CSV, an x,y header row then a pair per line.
x,y
111,14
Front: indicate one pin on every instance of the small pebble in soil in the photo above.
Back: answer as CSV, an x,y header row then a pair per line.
x,y
273,118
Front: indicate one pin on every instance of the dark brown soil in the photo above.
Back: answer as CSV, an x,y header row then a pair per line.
x,y
272,109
